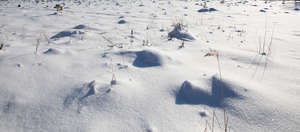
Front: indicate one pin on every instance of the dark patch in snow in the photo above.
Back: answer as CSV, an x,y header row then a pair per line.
x,y
190,94
80,27
9,107
122,22
120,66
178,33
207,10
202,114
52,51
19,65
52,14
66,34
147,59
262,10
92,90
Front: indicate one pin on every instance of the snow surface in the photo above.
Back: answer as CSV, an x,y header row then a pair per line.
x,y
120,65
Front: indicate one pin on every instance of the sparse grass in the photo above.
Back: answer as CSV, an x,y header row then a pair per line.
x,y
146,41
46,37
265,47
7,38
109,41
226,118
182,44
264,50
58,8
211,126
222,1
179,31
204,4
113,78
37,46
1,44
37,1
217,55
131,37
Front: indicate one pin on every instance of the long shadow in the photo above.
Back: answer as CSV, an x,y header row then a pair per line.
x,y
192,95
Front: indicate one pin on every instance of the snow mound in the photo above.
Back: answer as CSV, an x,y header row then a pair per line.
x,y
147,58
194,95
80,95
53,51
144,58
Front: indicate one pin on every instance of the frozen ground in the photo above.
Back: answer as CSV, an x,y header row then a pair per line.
x,y
56,69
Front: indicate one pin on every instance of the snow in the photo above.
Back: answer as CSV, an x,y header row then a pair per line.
x,y
120,65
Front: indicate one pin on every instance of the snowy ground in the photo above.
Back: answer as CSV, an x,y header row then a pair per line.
x,y
56,68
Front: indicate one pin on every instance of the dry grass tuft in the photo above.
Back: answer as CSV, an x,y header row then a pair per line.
x,y
1,46
226,118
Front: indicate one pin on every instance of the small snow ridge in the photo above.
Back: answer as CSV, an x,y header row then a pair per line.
x,y
207,10
80,27
52,51
190,94
262,10
179,33
77,30
66,34
80,95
